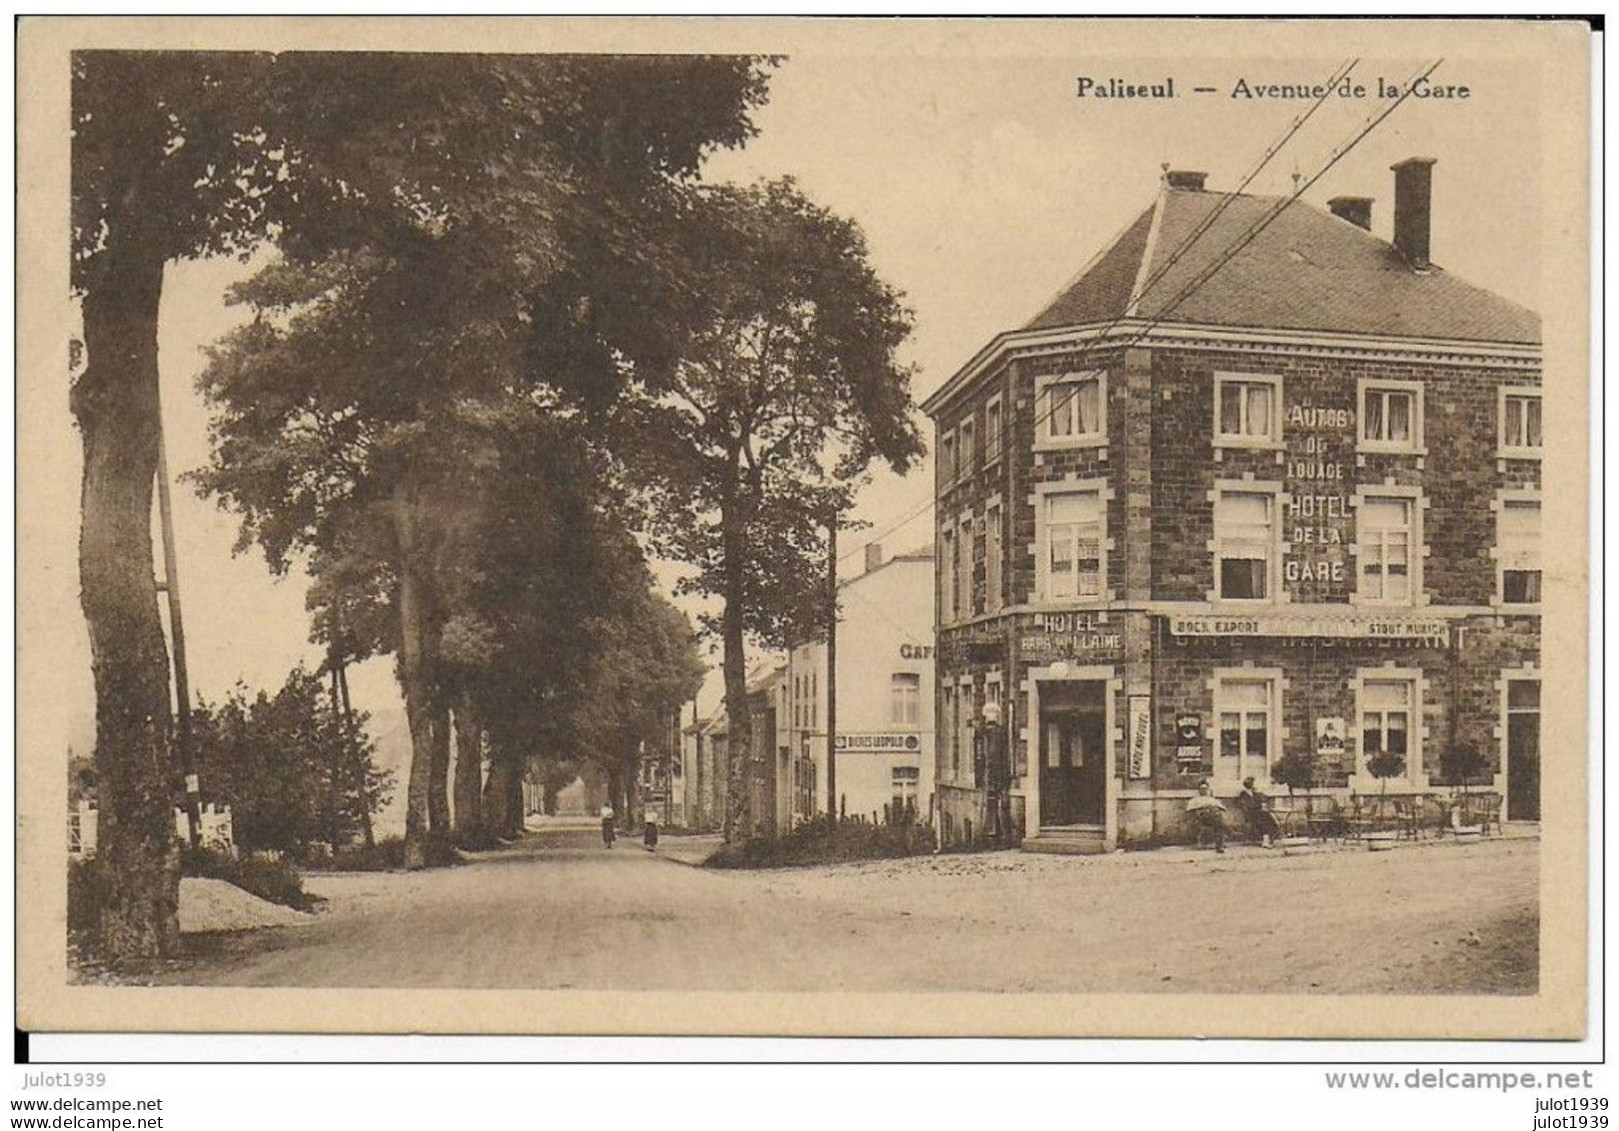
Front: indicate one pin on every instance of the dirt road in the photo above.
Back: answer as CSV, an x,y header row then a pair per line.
x,y
561,912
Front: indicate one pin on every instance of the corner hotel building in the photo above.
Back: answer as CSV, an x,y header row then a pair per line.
x,y
1184,530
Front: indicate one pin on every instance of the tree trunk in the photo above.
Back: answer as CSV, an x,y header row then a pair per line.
x,y
334,785
497,816
115,402
469,830
418,705
361,769
514,801
438,786
739,728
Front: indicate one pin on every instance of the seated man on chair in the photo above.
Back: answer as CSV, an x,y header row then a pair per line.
x,y
1206,810
1261,822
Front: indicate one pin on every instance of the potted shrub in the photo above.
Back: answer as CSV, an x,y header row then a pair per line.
x,y
1383,765
1296,770
1463,764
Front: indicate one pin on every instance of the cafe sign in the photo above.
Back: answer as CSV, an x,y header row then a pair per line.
x,y
1427,632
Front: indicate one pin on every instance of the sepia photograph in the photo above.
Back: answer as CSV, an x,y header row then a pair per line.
x,y
980,528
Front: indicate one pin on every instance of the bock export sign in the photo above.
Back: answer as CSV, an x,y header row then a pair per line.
x,y
878,743
1416,631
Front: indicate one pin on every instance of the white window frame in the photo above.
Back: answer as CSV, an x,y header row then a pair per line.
x,y
1274,593
948,563
1273,725
906,710
949,458
1416,550
994,554
904,789
1507,450
1044,438
964,574
994,438
947,730
1416,728
1505,561
967,447
1270,439
1042,537
1382,385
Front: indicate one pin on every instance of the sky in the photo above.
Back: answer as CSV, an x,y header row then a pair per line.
x,y
983,185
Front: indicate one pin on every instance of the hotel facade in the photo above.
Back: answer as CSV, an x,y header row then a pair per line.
x,y
1258,482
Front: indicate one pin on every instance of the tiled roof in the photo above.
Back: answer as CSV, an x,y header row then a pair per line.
x,y
1307,270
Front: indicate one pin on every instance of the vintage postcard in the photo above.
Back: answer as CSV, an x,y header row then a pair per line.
x,y
791,526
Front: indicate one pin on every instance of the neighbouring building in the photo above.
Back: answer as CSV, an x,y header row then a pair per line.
x,y
702,772
884,739
1191,518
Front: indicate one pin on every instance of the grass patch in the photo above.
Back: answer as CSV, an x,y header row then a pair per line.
x,y
822,842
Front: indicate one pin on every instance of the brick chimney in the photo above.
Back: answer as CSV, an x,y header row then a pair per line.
x,y
1185,179
1356,209
1413,209
874,555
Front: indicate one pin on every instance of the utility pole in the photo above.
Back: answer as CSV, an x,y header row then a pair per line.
x,y
832,665
182,689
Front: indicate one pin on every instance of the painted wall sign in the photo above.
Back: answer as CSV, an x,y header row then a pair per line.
x,y
1329,736
1189,743
877,743
1319,519
1140,736
1069,645
1416,632
916,651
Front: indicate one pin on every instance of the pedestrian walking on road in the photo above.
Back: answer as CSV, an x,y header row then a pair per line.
x,y
607,825
650,834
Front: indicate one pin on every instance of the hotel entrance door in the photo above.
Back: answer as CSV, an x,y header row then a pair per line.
x,y
1073,752
1523,750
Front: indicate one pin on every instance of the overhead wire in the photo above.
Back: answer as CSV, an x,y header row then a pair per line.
x,y
1339,73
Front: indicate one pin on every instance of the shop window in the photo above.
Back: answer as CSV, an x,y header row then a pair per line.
x,y
1390,416
1387,718
1246,709
1520,423
1247,411
993,437
1246,545
992,559
905,699
1071,528
1385,536
947,731
1071,410
1517,549
905,780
